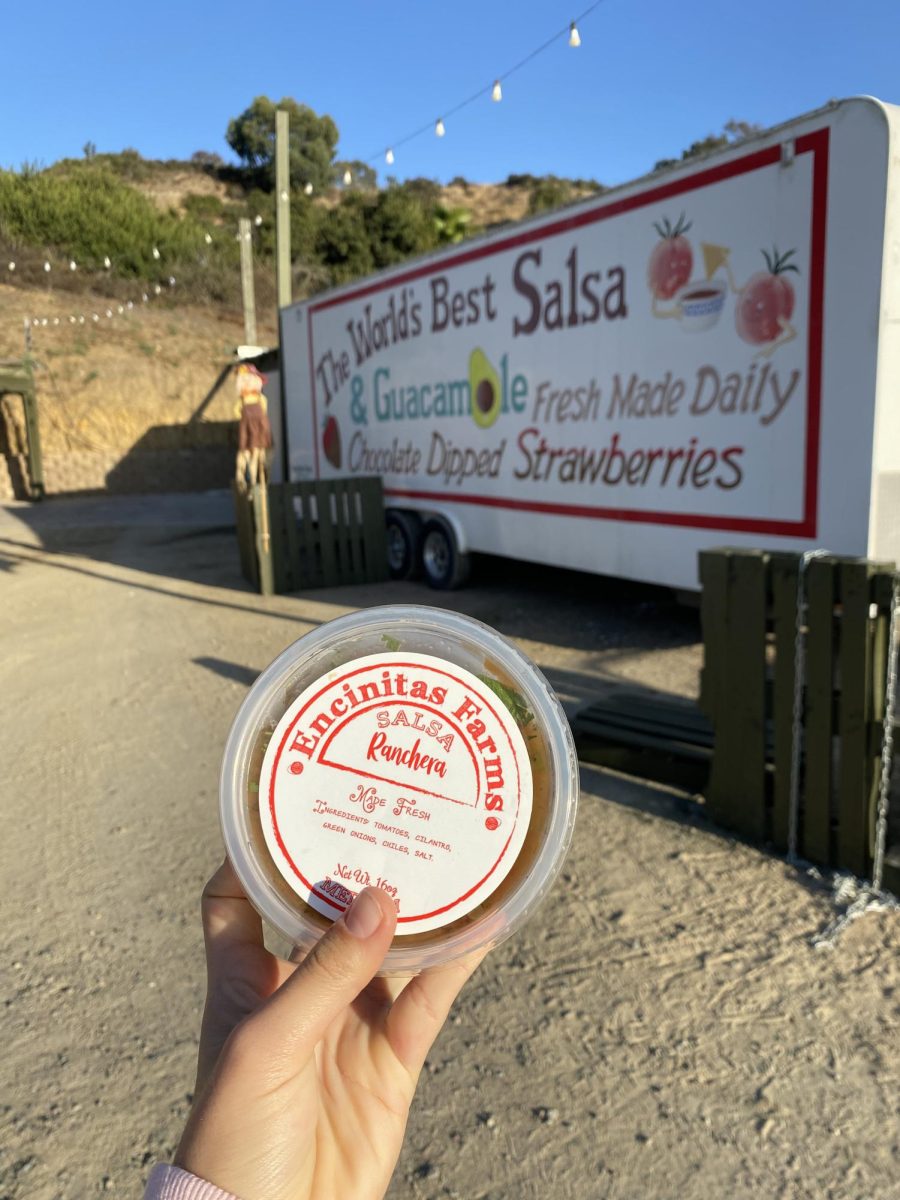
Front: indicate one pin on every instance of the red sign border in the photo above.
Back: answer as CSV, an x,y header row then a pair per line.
x,y
815,143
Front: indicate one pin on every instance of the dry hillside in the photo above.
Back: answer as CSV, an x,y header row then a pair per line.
x,y
105,384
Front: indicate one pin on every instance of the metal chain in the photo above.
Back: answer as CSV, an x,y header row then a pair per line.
x,y
797,717
887,741
862,899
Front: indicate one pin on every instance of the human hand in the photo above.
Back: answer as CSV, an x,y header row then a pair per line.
x,y
306,1073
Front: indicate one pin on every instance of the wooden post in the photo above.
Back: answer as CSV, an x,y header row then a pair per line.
x,y
282,208
818,840
854,779
247,289
784,620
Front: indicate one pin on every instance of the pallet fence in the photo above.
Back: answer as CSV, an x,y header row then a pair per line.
x,y
749,616
322,533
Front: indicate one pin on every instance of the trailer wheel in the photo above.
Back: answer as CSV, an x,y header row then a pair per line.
x,y
444,565
404,543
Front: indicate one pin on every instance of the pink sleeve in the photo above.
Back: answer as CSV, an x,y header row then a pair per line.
x,y
171,1183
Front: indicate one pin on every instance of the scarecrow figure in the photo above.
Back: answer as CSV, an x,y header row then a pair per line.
x,y
254,431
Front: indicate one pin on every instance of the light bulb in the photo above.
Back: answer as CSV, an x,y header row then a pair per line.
x,y
207,237
72,320
44,321
308,189
107,262
439,129
257,220
73,265
574,35
496,91
95,317
46,266
130,304
56,320
81,319
155,252
171,281
157,290
285,197
348,178
108,313
144,298
121,309
12,266
389,157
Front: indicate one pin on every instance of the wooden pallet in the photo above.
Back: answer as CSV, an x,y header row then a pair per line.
x,y
322,533
748,611
645,732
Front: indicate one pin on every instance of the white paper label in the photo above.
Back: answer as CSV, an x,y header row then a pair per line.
x,y
400,771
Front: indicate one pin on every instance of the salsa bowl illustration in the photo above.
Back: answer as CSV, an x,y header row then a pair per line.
x,y
700,304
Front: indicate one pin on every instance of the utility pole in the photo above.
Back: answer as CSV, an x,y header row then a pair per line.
x,y
247,288
282,208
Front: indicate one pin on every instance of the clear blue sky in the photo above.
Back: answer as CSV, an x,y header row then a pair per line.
x,y
649,78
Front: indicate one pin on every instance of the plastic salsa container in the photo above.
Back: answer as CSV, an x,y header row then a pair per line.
x,y
408,748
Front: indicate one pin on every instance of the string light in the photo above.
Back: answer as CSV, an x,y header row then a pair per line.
x,y
207,237
11,266
107,261
46,266
155,252
348,178
389,157
285,197
308,189
73,265
257,220
495,89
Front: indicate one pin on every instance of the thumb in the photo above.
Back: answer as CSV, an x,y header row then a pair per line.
x,y
329,979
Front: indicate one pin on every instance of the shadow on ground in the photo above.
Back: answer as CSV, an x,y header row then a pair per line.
x,y
190,537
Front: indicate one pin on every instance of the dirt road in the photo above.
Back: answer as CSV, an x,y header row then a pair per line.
x,y
662,1029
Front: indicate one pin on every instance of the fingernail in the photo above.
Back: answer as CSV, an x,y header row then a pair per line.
x,y
363,916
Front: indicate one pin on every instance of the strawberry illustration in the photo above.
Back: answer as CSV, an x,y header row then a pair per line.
x,y
672,259
767,300
331,443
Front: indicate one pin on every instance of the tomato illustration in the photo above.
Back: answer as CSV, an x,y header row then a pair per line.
x,y
331,442
672,259
766,301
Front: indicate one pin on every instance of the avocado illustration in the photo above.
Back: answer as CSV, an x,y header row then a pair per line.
x,y
484,386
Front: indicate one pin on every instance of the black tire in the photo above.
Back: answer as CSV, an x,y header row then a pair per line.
x,y
404,543
443,565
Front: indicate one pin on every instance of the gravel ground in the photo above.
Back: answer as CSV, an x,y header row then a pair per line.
x,y
663,1027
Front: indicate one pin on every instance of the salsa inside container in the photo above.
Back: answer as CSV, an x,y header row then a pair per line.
x,y
409,748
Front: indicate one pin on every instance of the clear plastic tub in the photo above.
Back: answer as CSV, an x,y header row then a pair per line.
x,y
410,748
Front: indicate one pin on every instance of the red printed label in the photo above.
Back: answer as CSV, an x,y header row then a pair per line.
x,y
400,771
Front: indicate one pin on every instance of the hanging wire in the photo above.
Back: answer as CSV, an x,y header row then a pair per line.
x,y
488,88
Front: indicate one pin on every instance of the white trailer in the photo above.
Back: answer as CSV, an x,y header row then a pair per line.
x,y
707,356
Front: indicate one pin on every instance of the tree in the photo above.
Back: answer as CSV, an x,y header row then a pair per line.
x,y
362,175
398,226
342,241
312,142
732,133
451,225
